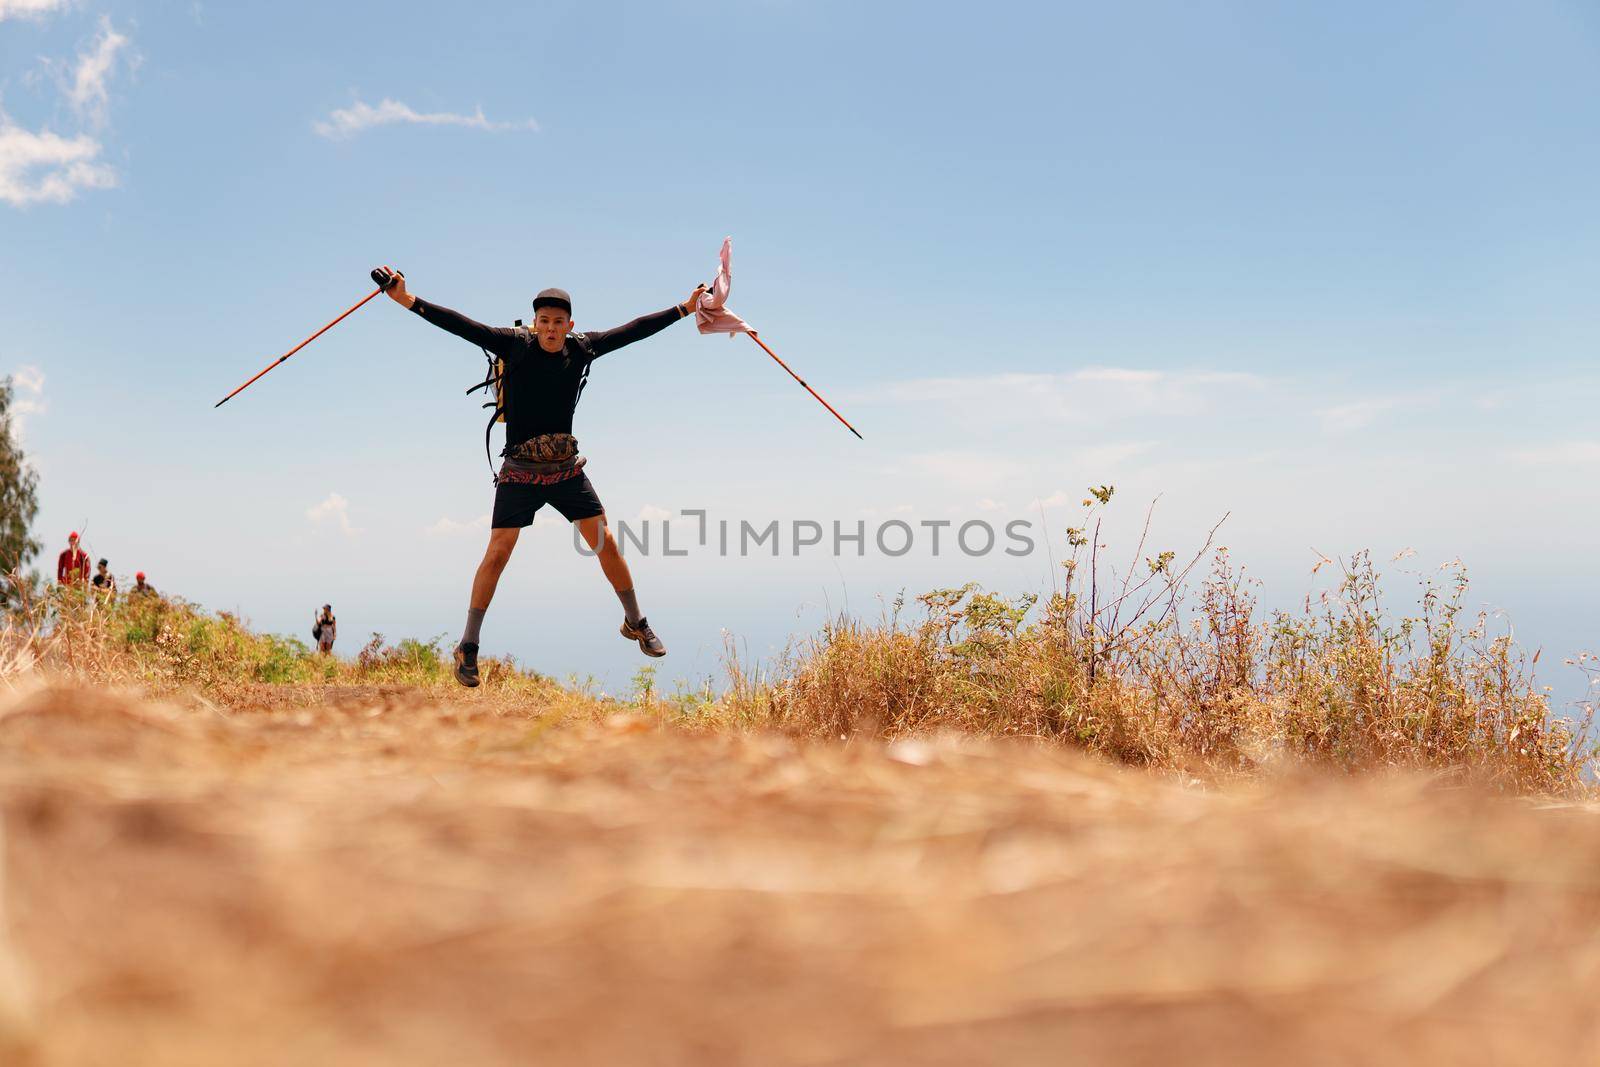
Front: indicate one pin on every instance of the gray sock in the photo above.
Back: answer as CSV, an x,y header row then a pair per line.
x,y
469,636
630,606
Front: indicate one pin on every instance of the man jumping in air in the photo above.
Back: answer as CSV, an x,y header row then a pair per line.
x,y
544,367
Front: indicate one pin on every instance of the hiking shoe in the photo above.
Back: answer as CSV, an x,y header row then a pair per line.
x,y
649,643
467,665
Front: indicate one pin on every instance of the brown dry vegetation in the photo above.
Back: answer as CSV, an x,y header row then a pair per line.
x,y
1142,670
380,880
1119,829
1145,670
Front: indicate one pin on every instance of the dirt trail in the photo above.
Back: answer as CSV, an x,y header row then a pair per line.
x,y
375,881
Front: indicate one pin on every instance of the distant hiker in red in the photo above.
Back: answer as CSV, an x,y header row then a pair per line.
x,y
140,588
543,368
72,566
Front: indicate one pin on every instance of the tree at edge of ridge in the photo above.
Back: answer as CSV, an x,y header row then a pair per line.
x,y
19,501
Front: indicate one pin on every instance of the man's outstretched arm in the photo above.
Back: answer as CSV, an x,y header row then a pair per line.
x,y
489,337
644,326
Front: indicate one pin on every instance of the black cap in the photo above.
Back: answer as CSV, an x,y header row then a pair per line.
x,y
103,563
554,298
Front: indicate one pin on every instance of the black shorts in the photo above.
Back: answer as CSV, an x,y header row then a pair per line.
x,y
515,505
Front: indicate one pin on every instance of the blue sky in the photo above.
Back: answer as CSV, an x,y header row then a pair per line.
x,y
1327,270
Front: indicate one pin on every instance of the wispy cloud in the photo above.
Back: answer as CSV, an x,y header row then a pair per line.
x,y
15,9
27,400
448,527
1359,414
1096,394
87,91
1058,499
46,168
28,378
335,509
1565,454
349,121
1102,460
965,468
1125,375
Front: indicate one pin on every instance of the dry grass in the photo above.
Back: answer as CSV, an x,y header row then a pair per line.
x,y
1148,669
219,847
1154,674
164,646
379,882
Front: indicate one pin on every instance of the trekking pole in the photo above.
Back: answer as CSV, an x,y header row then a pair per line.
x,y
384,281
802,381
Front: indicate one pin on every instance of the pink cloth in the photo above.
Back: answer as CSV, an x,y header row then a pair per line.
x,y
710,316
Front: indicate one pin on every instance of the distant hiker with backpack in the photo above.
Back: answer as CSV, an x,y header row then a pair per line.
x,y
324,629
540,373
104,582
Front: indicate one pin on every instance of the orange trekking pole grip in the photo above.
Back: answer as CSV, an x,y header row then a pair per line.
x,y
379,275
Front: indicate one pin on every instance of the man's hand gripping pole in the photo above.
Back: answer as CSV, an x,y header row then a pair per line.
x,y
382,277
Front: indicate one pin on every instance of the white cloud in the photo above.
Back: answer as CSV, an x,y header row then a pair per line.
x,y
47,168
1358,415
87,90
1117,374
1057,499
650,512
1093,394
974,471
448,527
27,379
1095,459
1567,454
20,410
14,9
349,121
336,508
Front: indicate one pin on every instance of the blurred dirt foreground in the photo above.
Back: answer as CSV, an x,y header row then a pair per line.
x,y
356,877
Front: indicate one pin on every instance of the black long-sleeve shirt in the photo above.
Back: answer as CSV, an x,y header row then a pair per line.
x,y
541,388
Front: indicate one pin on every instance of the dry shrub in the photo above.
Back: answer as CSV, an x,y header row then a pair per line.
x,y
1147,669
1152,672
163,644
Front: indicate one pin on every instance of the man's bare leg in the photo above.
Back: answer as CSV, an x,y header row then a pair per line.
x,y
597,534
611,561
495,558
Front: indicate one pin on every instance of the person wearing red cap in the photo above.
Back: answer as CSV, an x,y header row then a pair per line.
x,y
139,586
72,566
